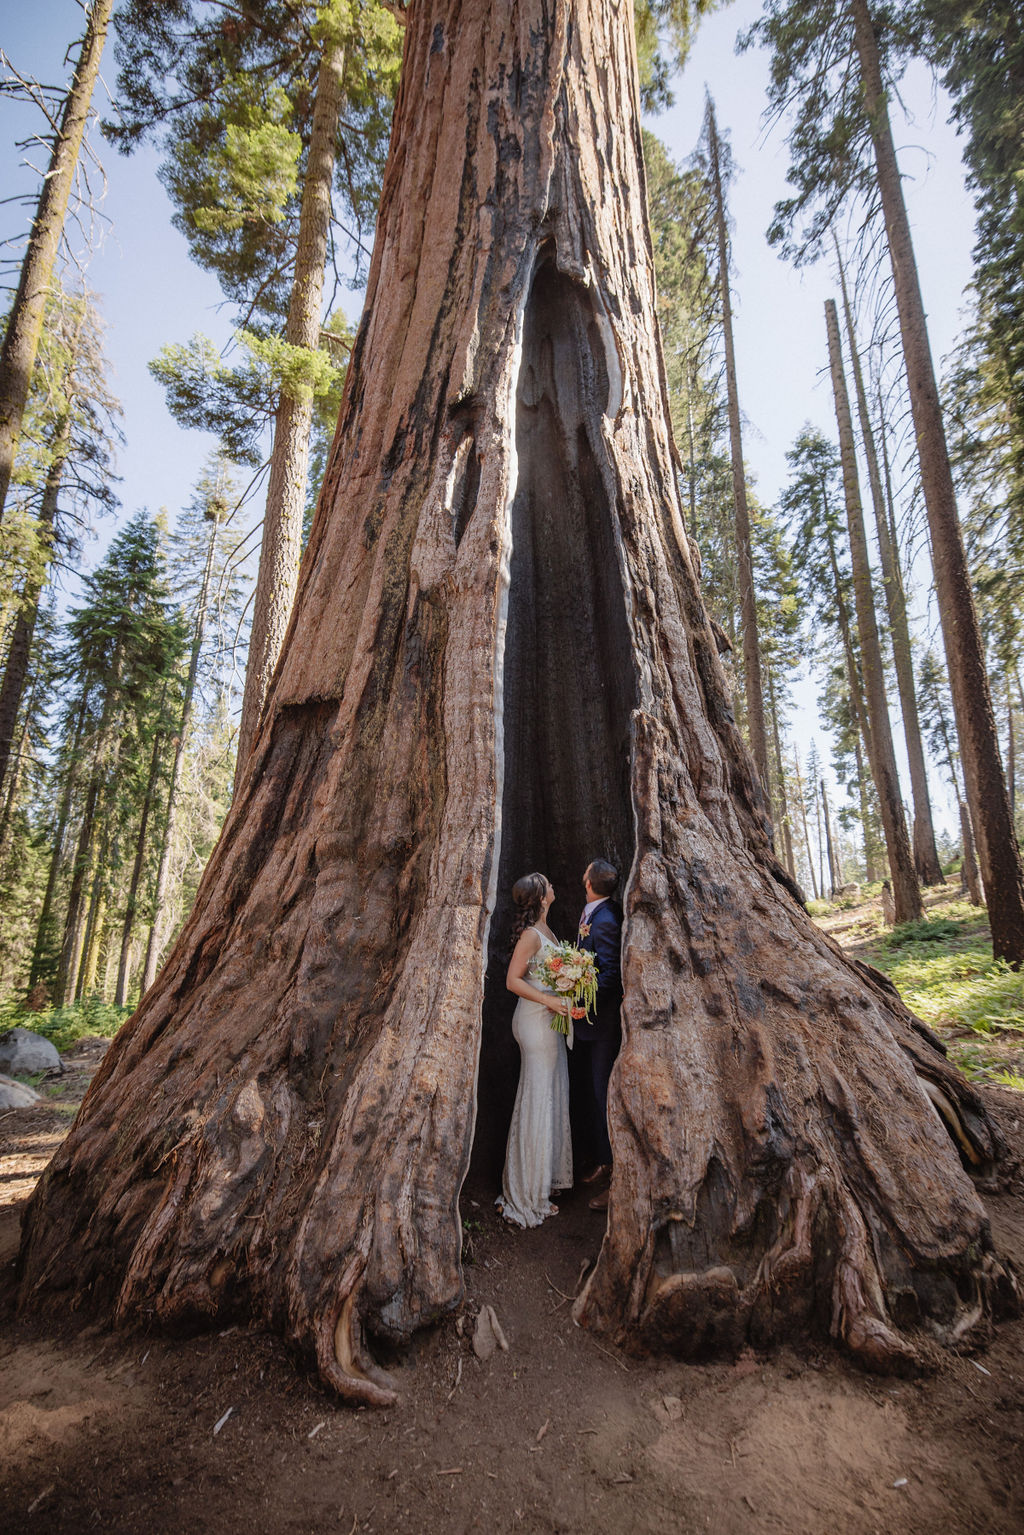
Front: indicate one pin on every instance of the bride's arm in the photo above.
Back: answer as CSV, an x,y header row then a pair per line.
x,y
516,980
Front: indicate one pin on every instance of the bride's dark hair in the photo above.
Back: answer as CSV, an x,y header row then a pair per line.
x,y
527,896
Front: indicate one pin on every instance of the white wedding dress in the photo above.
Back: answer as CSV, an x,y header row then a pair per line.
x,y
539,1155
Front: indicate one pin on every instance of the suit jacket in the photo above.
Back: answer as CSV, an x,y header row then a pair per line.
x,y
605,941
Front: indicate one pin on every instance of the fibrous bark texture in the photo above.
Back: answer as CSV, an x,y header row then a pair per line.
x,y
499,657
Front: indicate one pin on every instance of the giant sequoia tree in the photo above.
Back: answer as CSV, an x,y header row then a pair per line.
x,y
499,659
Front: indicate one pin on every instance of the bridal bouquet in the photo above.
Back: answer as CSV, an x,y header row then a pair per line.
x,y
572,973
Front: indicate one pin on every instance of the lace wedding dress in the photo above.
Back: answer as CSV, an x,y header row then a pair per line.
x,y
539,1154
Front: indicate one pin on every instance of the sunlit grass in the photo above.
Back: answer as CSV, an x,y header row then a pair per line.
x,y
944,970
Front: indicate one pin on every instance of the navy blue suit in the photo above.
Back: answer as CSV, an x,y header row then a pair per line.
x,y
601,1038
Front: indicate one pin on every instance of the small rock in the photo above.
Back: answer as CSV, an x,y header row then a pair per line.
x,y
488,1334
23,1052
15,1095
484,1341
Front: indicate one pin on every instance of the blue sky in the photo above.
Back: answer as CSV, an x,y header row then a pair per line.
x,y
151,294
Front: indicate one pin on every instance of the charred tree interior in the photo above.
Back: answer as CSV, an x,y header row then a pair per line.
x,y
569,681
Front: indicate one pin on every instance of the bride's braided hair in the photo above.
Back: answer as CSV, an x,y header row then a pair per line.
x,y
527,896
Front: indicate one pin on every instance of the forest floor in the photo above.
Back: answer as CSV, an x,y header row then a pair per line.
x,y
116,1433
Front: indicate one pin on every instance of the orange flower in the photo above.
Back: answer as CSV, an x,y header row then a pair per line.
x,y
555,962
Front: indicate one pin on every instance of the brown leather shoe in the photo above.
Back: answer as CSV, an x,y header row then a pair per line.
x,y
600,1202
602,1170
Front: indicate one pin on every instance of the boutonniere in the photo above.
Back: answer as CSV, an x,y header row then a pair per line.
x,y
584,929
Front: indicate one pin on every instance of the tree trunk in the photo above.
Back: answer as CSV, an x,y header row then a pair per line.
x,y
787,836
807,837
46,931
14,780
870,872
835,872
969,865
500,660
94,924
905,889
74,919
998,852
1011,752
926,854
132,901
26,318
155,939
281,545
19,653
753,689
969,878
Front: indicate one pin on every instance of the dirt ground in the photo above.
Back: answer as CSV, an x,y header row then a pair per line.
x,y
560,1433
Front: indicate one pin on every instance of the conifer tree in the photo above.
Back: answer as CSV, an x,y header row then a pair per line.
x,y
24,323
842,146
926,857
63,473
123,640
209,593
262,121
906,891
937,718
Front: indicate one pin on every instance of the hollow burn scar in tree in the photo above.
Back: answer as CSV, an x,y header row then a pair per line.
x,y
568,672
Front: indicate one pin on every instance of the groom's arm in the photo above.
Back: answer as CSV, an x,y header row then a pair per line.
x,y
606,936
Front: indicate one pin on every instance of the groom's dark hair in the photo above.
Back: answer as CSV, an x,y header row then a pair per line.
x,y
603,876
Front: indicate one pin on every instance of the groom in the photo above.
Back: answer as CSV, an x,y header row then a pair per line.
x,y
600,931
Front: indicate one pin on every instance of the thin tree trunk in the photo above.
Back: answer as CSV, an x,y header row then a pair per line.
x,y
969,866
905,889
81,868
286,492
1011,752
787,836
870,872
853,671
26,318
825,884
998,852
284,1128
94,921
803,817
692,477
926,854
155,939
19,653
969,877
753,688
44,927
132,900
835,872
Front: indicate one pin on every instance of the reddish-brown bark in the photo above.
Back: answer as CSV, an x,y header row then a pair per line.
x,y
499,659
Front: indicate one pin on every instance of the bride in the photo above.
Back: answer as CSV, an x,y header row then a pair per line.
x,y
539,1154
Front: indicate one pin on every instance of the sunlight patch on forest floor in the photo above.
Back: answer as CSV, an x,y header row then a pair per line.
x,y
944,970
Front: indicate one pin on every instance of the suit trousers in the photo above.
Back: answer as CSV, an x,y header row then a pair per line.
x,y
599,1055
